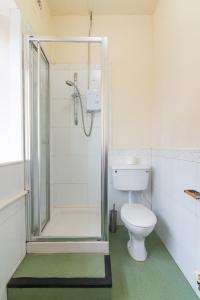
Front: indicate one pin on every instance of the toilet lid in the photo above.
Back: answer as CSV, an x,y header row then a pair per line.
x,y
138,215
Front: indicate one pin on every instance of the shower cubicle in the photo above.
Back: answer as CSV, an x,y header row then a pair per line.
x,y
66,124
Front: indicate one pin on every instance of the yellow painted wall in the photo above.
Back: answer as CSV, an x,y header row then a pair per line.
x,y
37,21
175,50
130,58
175,107
176,121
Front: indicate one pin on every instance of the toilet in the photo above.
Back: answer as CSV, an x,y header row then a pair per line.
x,y
138,219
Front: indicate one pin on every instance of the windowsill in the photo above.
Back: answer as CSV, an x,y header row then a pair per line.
x,y
8,201
10,163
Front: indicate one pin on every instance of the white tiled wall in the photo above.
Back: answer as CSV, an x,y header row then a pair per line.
x,y
142,156
178,214
75,158
178,225
12,223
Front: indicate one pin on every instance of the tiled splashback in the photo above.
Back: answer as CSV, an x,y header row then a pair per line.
x,y
75,159
178,214
141,156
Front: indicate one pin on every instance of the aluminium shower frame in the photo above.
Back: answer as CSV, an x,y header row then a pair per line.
x,y
28,131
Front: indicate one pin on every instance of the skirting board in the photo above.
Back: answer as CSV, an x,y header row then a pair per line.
x,y
68,247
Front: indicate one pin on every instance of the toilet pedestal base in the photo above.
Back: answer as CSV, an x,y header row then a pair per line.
x,y
136,249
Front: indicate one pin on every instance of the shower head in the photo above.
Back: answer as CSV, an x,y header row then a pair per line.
x,y
70,83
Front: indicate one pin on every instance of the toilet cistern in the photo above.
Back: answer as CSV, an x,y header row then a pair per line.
x,y
130,177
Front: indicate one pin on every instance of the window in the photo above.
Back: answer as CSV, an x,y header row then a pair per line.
x,y
10,87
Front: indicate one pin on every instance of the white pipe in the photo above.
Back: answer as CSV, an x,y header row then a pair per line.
x,y
130,197
66,39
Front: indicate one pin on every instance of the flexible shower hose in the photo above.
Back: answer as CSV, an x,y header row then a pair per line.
x,y
82,115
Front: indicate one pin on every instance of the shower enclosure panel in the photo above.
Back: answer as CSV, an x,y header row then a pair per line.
x,y
78,164
39,140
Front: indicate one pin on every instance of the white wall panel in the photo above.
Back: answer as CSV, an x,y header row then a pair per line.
x,y
178,214
12,222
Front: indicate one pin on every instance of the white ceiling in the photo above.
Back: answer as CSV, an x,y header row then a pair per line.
x,y
81,7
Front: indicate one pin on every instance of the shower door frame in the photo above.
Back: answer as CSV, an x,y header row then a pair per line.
x,y
103,41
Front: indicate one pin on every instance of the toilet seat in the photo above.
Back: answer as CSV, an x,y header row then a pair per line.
x,y
138,215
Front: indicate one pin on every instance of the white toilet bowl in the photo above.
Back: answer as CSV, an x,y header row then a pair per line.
x,y
140,222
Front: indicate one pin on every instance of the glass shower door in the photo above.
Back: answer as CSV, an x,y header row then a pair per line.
x,y
40,141
44,142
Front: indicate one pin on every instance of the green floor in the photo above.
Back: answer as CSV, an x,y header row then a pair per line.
x,y
62,265
158,278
